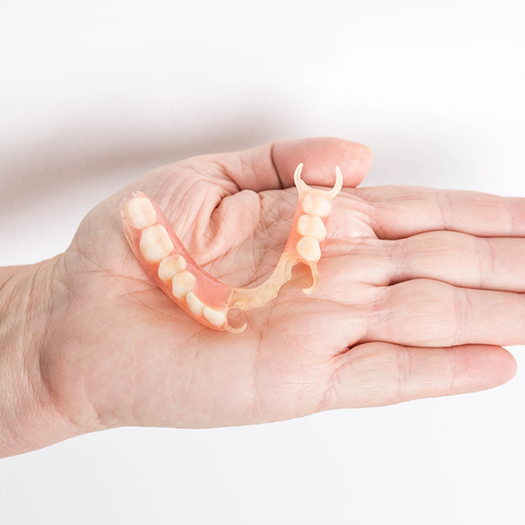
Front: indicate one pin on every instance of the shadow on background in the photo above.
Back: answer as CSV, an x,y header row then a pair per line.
x,y
80,155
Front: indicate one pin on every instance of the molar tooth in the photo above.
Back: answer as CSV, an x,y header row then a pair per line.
x,y
140,212
311,226
170,266
182,283
316,204
194,303
215,316
155,243
309,249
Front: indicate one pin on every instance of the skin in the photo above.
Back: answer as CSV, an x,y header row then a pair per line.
x,y
419,288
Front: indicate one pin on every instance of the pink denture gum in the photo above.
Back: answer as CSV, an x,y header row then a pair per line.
x,y
163,257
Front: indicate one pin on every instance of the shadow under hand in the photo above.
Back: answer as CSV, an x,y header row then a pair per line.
x,y
95,154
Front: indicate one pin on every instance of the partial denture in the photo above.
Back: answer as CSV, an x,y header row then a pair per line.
x,y
166,261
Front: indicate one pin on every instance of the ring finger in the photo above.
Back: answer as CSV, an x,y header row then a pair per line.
x,y
423,312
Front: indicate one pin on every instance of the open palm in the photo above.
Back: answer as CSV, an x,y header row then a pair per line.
x,y
416,286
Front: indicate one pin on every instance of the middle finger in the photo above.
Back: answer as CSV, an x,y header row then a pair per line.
x,y
455,258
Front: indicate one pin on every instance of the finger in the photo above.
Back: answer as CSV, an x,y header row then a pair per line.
x,y
377,374
431,313
455,258
272,165
400,211
460,259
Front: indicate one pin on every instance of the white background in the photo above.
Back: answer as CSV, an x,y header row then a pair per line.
x,y
94,94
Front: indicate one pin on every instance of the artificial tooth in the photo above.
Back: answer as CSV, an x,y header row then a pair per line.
x,y
140,212
215,316
182,283
316,204
155,243
194,303
311,226
170,266
309,249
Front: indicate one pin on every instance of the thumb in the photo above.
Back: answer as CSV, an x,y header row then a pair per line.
x,y
320,156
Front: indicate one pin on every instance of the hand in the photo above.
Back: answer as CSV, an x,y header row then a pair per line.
x,y
418,288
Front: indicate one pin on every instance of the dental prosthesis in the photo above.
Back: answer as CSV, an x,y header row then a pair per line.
x,y
163,257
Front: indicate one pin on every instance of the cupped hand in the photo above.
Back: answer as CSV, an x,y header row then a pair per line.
x,y
418,289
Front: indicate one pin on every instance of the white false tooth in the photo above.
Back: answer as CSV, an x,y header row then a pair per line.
x,y
311,226
182,283
155,243
194,303
316,204
140,212
170,266
214,315
309,249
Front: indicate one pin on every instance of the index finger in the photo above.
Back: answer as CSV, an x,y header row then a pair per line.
x,y
401,211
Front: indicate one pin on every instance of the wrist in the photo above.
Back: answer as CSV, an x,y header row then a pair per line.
x,y
28,416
